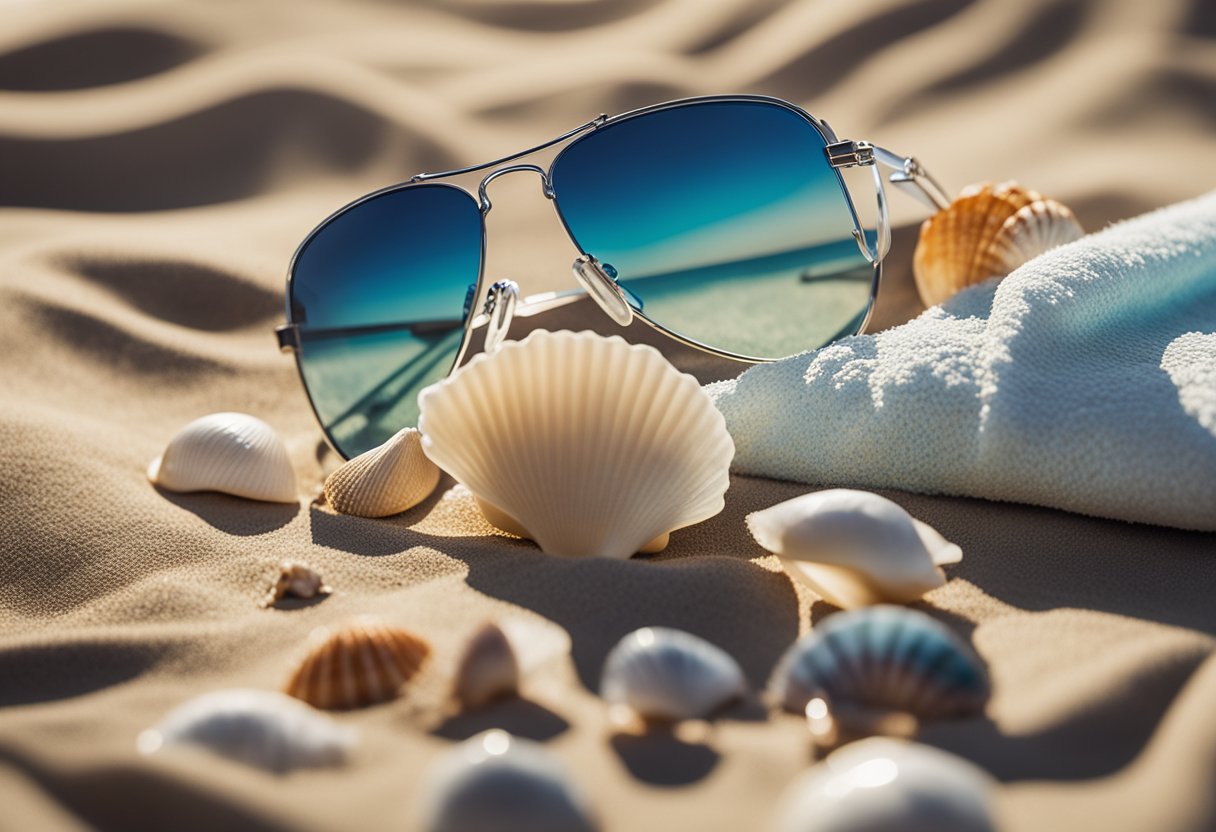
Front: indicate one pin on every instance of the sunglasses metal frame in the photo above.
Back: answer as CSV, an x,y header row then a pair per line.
x,y
906,173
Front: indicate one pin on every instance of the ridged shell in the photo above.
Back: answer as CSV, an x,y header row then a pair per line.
x,y
987,231
383,481
494,782
361,664
854,548
297,580
887,784
594,446
870,663
1035,228
488,668
256,727
665,674
234,453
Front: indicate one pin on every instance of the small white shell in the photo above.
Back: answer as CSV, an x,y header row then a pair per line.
x,y
881,783
384,481
498,783
854,548
665,674
488,669
866,665
591,445
234,453
297,580
256,727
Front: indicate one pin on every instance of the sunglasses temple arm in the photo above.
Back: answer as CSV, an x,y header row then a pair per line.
x,y
912,178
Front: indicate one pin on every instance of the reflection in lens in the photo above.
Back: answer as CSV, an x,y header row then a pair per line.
x,y
725,223
380,294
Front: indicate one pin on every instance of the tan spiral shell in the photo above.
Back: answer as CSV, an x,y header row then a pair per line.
x,y
987,231
361,664
383,481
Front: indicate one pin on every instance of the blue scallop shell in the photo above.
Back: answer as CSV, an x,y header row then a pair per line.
x,y
883,658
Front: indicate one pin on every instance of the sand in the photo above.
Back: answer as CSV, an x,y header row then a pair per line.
x,y
160,161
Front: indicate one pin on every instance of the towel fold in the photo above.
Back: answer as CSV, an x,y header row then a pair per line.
x,y
1085,380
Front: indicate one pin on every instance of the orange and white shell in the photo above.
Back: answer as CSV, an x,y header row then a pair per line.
x,y
386,480
361,664
233,453
987,231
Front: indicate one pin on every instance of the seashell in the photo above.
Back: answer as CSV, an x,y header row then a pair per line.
x,y
256,727
494,782
664,674
987,231
882,783
488,669
296,580
383,481
591,445
880,669
362,664
234,453
1033,229
854,548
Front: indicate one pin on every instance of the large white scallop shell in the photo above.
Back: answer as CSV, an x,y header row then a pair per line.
x,y
866,665
256,727
234,453
498,783
881,783
854,548
386,480
664,674
592,445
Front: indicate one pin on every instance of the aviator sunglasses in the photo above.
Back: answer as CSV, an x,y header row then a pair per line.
x,y
721,223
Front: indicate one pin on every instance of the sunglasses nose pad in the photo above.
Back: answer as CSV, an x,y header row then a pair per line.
x,y
500,308
602,286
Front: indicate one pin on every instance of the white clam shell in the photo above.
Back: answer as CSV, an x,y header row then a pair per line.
x,y
665,674
260,728
386,480
882,660
494,782
887,784
854,548
234,453
594,446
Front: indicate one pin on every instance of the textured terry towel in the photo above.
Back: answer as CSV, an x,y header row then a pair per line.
x,y
1085,380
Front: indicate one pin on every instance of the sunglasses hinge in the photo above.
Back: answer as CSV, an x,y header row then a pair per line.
x,y
850,154
288,336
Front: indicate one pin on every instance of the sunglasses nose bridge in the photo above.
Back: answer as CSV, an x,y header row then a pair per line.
x,y
483,196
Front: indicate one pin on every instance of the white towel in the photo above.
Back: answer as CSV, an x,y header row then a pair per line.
x,y
1085,380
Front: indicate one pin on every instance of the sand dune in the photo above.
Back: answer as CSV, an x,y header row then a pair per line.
x,y
159,162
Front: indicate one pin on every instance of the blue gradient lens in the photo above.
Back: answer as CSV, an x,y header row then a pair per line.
x,y
380,294
725,223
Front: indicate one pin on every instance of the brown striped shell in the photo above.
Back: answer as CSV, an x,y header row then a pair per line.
x,y
386,480
361,664
987,231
